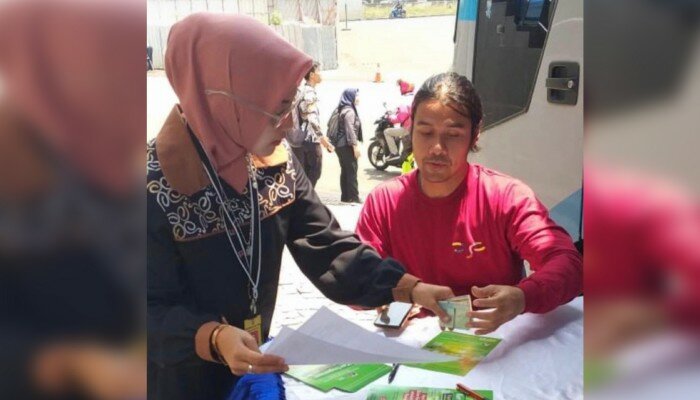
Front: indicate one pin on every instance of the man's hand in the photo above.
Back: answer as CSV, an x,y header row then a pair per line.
x,y
325,143
503,303
356,150
427,296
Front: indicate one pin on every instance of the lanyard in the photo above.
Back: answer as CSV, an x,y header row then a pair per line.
x,y
249,254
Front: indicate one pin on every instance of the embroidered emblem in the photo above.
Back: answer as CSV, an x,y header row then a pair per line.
x,y
476,247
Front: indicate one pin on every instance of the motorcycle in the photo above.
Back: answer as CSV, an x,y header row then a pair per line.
x,y
378,151
397,11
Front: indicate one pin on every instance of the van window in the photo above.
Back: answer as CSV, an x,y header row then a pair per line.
x,y
510,38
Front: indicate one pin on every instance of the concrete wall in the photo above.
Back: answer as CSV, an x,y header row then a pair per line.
x,y
157,37
316,37
354,8
169,11
319,42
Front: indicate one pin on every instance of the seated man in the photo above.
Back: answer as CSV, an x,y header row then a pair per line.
x,y
394,136
458,224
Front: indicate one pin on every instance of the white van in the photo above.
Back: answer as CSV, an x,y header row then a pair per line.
x,y
525,57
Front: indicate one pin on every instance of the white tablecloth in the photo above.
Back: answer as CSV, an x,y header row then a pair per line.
x,y
540,357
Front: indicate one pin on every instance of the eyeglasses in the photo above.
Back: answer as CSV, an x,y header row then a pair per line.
x,y
277,120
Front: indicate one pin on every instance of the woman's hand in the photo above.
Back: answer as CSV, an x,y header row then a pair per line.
x,y
97,371
240,350
356,150
427,296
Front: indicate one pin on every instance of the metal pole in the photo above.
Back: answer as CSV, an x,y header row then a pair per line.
x,y
270,7
318,12
346,17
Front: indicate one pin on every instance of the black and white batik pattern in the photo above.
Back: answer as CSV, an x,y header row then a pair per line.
x,y
201,214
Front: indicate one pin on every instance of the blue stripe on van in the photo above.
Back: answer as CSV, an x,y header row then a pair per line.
x,y
468,10
567,213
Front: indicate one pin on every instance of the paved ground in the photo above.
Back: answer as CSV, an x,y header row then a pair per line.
x,y
413,49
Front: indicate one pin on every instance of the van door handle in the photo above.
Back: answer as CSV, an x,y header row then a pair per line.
x,y
563,82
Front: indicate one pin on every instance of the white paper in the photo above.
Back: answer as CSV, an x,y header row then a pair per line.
x,y
327,338
540,357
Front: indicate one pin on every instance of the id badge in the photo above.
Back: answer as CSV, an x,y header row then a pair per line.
x,y
254,327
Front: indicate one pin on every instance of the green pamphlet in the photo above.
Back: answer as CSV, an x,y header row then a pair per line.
x,y
418,393
345,377
469,348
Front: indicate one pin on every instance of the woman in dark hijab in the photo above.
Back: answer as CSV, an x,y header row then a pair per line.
x,y
347,147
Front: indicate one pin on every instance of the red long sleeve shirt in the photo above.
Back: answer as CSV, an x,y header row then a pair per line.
x,y
478,235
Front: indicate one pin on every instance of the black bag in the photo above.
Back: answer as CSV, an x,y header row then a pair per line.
x,y
333,132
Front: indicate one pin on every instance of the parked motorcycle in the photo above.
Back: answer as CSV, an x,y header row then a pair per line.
x,y
397,11
378,151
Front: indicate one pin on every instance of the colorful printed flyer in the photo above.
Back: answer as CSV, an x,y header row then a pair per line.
x,y
418,393
345,377
469,348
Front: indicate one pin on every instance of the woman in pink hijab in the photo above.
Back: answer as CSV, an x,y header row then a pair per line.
x,y
224,198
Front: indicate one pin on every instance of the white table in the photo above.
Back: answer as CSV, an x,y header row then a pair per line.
x,y
540,357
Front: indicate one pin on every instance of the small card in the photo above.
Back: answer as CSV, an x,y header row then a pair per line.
x,y
457,308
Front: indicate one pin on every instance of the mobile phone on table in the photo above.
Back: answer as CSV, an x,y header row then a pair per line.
x,y
394,315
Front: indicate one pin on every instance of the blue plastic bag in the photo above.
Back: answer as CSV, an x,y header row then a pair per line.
x,y
258,387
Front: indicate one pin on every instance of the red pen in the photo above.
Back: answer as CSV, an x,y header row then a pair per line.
x,y
469,392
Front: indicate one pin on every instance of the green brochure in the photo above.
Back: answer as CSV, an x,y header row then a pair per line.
x,y
469,348
345,377
418,393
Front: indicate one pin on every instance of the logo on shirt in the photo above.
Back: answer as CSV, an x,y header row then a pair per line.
x,y
461,248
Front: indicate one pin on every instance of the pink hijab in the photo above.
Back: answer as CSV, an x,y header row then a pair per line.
x,y
240,55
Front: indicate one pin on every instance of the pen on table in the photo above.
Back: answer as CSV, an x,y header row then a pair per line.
x,y
392,374
469,392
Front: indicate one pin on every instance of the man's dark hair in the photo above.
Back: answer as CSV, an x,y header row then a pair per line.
x,y
313,69
456,92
